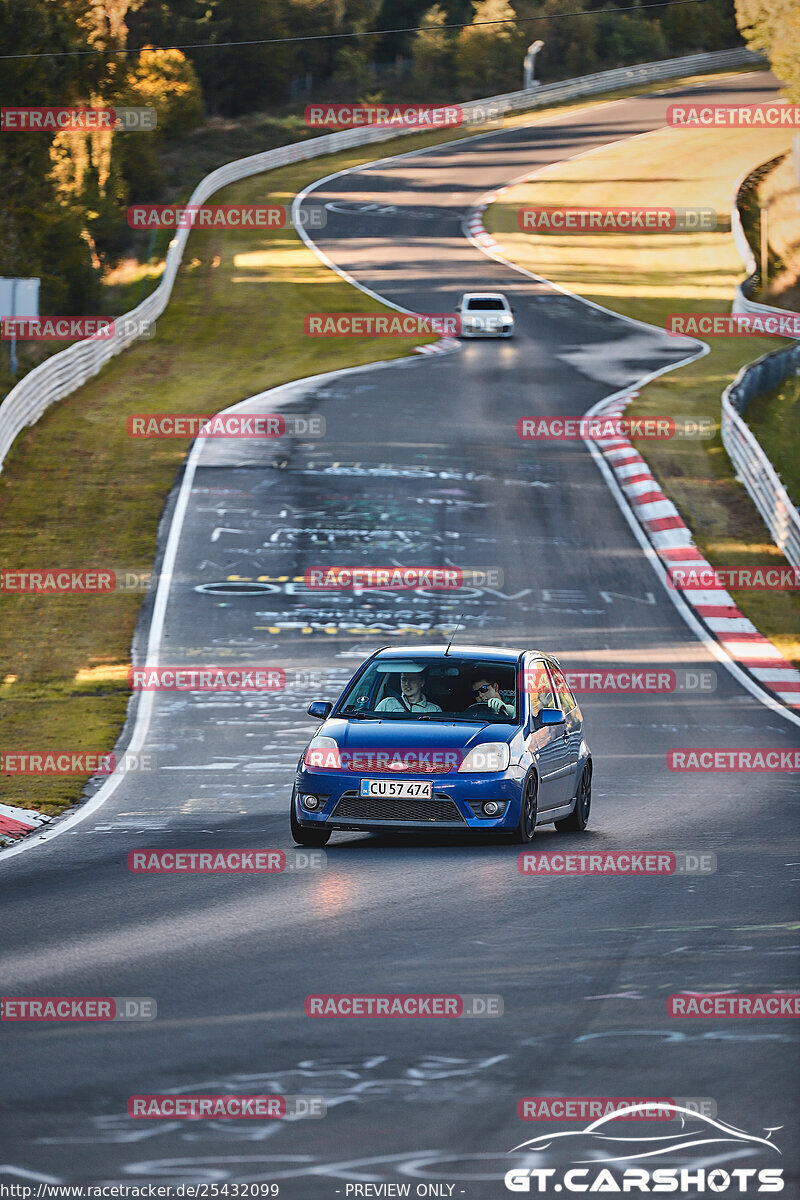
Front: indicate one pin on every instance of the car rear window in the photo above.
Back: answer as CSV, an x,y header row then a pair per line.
x,y
485,305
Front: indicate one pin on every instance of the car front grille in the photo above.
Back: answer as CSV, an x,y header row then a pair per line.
x,y
439,811
380,764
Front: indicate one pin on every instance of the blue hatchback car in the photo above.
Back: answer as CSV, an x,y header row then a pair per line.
x,y
475,740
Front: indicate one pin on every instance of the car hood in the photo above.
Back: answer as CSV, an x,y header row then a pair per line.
x,y
413,735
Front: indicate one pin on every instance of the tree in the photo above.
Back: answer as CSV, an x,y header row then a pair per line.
x,y
353,71
243,78
396,15
773,26
569,41
40,236
624,38
174,23
433,53
489,52
166,80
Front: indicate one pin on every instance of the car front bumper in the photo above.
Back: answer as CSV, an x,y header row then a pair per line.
x,y
504,331
455,804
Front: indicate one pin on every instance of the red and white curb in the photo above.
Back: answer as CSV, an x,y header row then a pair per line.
x,y
16,823
474,221
445,346
672,541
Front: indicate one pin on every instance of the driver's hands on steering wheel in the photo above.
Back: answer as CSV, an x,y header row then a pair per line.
x,y
496,704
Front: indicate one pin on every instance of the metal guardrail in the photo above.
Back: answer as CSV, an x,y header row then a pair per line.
x,y
66,371
750,462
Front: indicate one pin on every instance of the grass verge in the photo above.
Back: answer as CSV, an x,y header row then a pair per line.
x,y
774,418
648,276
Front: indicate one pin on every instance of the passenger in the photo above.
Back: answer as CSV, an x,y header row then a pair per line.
x,y
412,697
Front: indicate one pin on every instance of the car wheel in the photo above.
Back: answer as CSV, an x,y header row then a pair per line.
x,y
579,817
528,811
313,838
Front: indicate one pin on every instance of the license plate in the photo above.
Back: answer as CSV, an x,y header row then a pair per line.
x,y
408,789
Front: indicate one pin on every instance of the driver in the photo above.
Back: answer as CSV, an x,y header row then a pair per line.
x,y
486,692
412,698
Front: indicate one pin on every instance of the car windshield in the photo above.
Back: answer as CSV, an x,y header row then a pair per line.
x,y
462,689
484,303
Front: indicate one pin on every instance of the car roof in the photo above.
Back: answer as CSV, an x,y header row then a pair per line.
x,y
498,653
483,296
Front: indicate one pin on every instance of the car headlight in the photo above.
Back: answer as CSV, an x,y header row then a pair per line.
x,y
322,753
486,758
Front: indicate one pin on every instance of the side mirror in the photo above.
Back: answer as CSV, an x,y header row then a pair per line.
x,y
321,709
552,716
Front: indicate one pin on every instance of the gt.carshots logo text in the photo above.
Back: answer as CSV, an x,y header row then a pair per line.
x,y
739,1181
399,1005
616,1146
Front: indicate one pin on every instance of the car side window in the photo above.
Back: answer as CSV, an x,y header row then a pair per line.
x,y
566,699
540,687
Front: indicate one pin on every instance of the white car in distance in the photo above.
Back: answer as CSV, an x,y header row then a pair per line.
x,y
485,314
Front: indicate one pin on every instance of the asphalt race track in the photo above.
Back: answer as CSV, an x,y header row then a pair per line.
x,y
420,464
